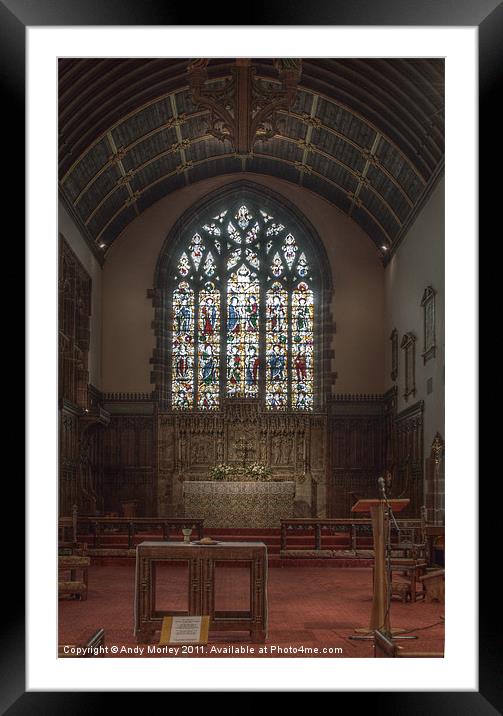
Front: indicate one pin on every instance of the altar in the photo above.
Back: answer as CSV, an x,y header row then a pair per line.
x,y
239,504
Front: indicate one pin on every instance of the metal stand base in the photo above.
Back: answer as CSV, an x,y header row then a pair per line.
x,y
371,637
368,630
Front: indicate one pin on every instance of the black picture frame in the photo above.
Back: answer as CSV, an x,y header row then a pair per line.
x,y
15,17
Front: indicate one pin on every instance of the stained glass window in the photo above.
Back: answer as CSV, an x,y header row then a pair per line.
x,y
243,313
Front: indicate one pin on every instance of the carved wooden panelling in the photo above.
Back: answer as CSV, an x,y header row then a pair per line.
x,y
356,459
334,458
434,482
68,461
128,472
74,329
165,464
407,473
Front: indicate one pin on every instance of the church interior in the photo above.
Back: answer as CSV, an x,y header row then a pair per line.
x,y
251,357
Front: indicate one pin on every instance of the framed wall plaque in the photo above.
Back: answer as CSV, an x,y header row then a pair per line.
x,y
428,304
394,354
408,346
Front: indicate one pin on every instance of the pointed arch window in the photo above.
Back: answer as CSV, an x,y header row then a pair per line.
x,y
243,312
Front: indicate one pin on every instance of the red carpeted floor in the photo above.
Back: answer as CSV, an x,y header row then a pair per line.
x,y
308,607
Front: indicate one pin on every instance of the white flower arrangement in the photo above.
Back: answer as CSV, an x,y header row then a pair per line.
x,y
255,471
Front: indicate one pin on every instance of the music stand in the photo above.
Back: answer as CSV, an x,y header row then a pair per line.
x,y
379,617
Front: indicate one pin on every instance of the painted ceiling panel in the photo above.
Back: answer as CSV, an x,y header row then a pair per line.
x,y
335,146
336,117
388,190
100,187
334,195
195,126
156,170
107,210
213,167
275,167
333,171
148,149
143,122
303,103
183,100
381,211
87,167
286,150
197,151
292,127
370,225
400,169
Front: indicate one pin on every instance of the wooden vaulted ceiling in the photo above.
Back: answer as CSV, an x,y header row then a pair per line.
x,y
365,134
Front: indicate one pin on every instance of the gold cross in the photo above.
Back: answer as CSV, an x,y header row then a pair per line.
x,y
244,448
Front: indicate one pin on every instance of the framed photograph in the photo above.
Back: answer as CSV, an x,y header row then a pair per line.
x,y
63,43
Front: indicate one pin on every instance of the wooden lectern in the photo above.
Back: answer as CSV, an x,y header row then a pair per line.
x,y
378,509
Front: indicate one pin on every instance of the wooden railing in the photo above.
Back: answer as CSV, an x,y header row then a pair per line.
x,y
354,529
98,526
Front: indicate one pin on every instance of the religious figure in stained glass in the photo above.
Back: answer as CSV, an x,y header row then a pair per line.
x,y
207,365
209,315
184,316
300,366
233,370
303,340
302,315
208,347
252,363
252,314
247,302
233,315
277,363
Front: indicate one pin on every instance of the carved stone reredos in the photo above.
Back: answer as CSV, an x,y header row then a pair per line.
x,y
241,411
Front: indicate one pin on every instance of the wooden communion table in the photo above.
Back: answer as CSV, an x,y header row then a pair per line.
x,y
203,561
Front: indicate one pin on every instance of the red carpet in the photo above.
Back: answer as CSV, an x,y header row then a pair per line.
x,y
308,607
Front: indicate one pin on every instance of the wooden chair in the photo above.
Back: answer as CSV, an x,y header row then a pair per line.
x,y
385,647
434,586
73,586
67,536
67,530
86,650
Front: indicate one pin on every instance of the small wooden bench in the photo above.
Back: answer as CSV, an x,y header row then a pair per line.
x,y
73,586
434,586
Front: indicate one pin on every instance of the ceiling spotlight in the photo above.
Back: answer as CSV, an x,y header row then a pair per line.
x,y
384,248
102,246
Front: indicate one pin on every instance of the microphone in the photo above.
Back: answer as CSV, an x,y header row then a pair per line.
x,y
380,482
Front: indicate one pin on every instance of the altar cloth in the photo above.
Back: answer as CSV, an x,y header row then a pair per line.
x,y
239,504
